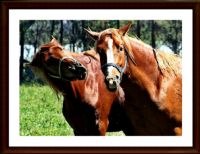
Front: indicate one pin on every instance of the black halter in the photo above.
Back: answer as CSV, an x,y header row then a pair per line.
x,y
120,69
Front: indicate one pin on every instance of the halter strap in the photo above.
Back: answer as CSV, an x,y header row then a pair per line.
x,y
59,76
120,69
154,52
155,56
130,56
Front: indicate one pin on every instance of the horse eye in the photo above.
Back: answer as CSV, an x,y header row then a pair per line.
x,y
121,48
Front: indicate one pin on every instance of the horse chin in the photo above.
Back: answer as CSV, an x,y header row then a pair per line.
x,y
75,76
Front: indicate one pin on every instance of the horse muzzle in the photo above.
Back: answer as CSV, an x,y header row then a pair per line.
x,y
112,83
81,71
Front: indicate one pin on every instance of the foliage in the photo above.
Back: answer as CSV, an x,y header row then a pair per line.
x,y
41,113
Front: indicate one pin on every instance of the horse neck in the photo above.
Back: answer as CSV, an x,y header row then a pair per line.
x,y
59,86
145,71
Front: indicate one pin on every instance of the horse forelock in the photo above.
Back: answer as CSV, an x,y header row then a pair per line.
x,y
107,32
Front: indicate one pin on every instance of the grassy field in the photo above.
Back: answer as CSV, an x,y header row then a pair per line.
x,y
41,113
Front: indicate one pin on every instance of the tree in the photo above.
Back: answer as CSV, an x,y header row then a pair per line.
x,y
172,34
153,39
24,26
138,29
61,31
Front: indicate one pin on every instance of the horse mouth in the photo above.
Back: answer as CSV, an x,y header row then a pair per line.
x,y
81,72
77,72
82,75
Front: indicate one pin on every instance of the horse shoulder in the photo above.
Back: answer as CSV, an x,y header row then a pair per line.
x,y
168,96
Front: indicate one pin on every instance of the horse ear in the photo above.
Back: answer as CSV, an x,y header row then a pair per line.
x,y
53,40
93,35
123,30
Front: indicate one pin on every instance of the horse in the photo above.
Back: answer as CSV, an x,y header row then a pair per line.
x,y
157,73
78,78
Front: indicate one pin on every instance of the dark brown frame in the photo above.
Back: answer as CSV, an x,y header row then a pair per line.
x,y
34,4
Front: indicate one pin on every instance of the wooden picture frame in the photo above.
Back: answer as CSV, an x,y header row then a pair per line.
x,y
7,5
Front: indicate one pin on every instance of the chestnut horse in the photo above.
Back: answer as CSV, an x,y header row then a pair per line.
x,y
157,73
78,77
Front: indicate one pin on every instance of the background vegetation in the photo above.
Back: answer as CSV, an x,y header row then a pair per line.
x,y
41,113
40,110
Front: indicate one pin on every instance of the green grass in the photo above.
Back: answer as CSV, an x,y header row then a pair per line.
x,y
41,113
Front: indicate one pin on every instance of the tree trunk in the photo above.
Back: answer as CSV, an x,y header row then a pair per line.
x,y
73,37
35,45
52,28
118,24
138,29
73,47
36,39
83,35
22,52
175,44
24,25
61,31
153,41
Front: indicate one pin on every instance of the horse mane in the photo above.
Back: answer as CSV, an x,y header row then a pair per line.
x,y
43,75
169,63
140,42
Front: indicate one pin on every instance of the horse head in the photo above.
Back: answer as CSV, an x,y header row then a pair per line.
x,y
112,50
54,63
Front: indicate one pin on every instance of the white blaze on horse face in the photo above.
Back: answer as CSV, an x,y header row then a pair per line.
x,y
109,54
